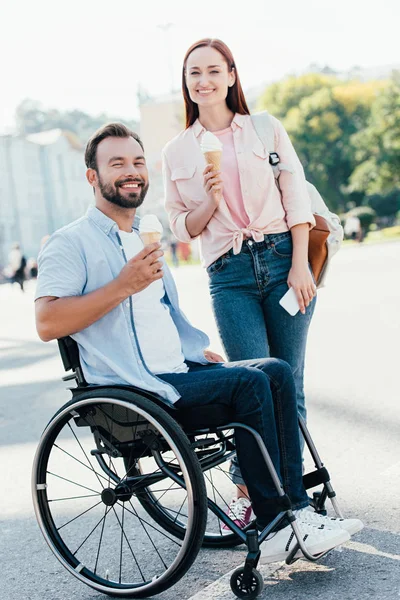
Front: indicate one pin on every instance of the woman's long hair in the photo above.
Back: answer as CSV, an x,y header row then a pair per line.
x,y
235,99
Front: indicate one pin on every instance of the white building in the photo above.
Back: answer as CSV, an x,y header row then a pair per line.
x,y
42,188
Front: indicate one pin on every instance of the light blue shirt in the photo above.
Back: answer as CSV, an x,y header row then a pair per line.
x,y
84,256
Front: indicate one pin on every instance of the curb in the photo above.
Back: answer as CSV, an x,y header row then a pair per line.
x,y
220,589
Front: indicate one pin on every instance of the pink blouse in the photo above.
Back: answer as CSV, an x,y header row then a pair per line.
x,y
257,210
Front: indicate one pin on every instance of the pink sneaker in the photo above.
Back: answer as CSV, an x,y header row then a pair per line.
x,y
240,512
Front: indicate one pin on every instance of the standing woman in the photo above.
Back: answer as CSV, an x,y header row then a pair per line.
x,y
254,239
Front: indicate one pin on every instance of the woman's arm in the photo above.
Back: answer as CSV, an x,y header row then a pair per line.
x,y
188,224
198,218
300,219
299,277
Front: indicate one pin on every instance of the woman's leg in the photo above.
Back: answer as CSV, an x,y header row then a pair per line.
x,y
238,312
237,306
287,335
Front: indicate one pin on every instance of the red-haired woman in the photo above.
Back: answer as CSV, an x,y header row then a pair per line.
x,y
254,240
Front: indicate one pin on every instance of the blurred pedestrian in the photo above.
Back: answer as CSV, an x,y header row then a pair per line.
x,y
173,245
17,265
353,229
32,268
185,251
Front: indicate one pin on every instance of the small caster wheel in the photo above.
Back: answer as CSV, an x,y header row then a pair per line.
x,y
322,510
249,590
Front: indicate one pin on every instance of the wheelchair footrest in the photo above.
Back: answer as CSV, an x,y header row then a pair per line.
x,y
315,478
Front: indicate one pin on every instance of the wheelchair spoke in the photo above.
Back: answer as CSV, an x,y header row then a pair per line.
x,y
106,511
180,508
88,536
140,519
73,482
229,476
171,488
171,510
73,498
222,498
215,501
82,463
148,535
87,458
127,541
80,515
122,540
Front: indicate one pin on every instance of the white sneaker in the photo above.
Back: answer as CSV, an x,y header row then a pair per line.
x,y
308,515
278,546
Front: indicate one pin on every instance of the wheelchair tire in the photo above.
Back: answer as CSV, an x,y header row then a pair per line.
x,y
72,431
252,589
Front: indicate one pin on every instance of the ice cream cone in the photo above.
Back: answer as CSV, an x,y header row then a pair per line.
x,y
150,237
214,159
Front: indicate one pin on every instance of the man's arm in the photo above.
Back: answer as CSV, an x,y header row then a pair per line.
x,y
58,317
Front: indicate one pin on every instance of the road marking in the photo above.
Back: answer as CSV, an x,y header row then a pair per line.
x,y
367,549
221,589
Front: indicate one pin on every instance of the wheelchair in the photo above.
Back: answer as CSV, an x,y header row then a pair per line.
x,y
127,489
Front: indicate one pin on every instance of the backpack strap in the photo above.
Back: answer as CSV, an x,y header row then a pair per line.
x,y
265,130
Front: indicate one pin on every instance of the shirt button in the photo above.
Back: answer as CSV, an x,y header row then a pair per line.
x,y
127,304
250,242
132,334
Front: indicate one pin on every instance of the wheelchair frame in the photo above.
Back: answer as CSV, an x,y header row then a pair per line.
x,y
246,581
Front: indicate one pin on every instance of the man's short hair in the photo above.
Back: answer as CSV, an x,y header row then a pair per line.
x,y
110,130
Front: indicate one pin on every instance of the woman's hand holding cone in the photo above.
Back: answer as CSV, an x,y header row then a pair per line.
x,y
213,184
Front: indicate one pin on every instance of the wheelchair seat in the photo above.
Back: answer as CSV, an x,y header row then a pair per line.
x,y
198,417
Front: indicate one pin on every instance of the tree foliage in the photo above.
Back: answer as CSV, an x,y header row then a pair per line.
x,y
377,147
325,118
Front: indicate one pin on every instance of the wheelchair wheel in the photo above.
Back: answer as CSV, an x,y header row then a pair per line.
x,y
86,502
249,589
214,459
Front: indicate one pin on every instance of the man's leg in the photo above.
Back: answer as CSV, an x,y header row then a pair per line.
x,y
246,389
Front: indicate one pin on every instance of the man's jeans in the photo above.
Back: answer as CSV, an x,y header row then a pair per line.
x,y
262,395
245,291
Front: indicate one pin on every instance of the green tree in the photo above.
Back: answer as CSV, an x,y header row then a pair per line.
x,y
284,95
322,114
377,147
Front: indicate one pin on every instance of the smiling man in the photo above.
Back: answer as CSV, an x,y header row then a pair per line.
x,y
118,300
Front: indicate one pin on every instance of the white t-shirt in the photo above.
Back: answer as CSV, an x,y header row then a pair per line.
x,y
156,331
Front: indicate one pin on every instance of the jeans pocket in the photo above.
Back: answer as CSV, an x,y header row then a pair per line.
x,y
217,265
283,247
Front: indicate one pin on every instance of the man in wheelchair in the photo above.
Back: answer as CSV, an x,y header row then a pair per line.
x,y
117,299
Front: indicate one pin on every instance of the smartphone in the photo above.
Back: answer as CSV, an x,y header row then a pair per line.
x,y
289,302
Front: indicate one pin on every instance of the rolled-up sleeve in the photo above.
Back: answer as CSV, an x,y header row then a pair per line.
x,y
295,197
174,205
61,269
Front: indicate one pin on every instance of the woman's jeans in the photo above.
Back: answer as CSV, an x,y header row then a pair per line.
x,y
245,291
261,394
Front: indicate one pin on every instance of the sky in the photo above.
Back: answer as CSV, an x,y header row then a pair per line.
x,y
92,54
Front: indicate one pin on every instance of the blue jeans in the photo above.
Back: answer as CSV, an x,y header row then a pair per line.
x,y
245,291
261,394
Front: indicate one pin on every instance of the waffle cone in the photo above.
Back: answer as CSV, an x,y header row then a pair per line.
x,y
150,237
214,159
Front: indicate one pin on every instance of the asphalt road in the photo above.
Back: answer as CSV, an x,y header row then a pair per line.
x,y
352,384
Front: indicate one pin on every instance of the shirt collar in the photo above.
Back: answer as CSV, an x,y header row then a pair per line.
x,y
104,222
237,121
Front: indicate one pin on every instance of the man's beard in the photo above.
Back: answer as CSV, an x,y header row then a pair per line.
x,y
133,199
